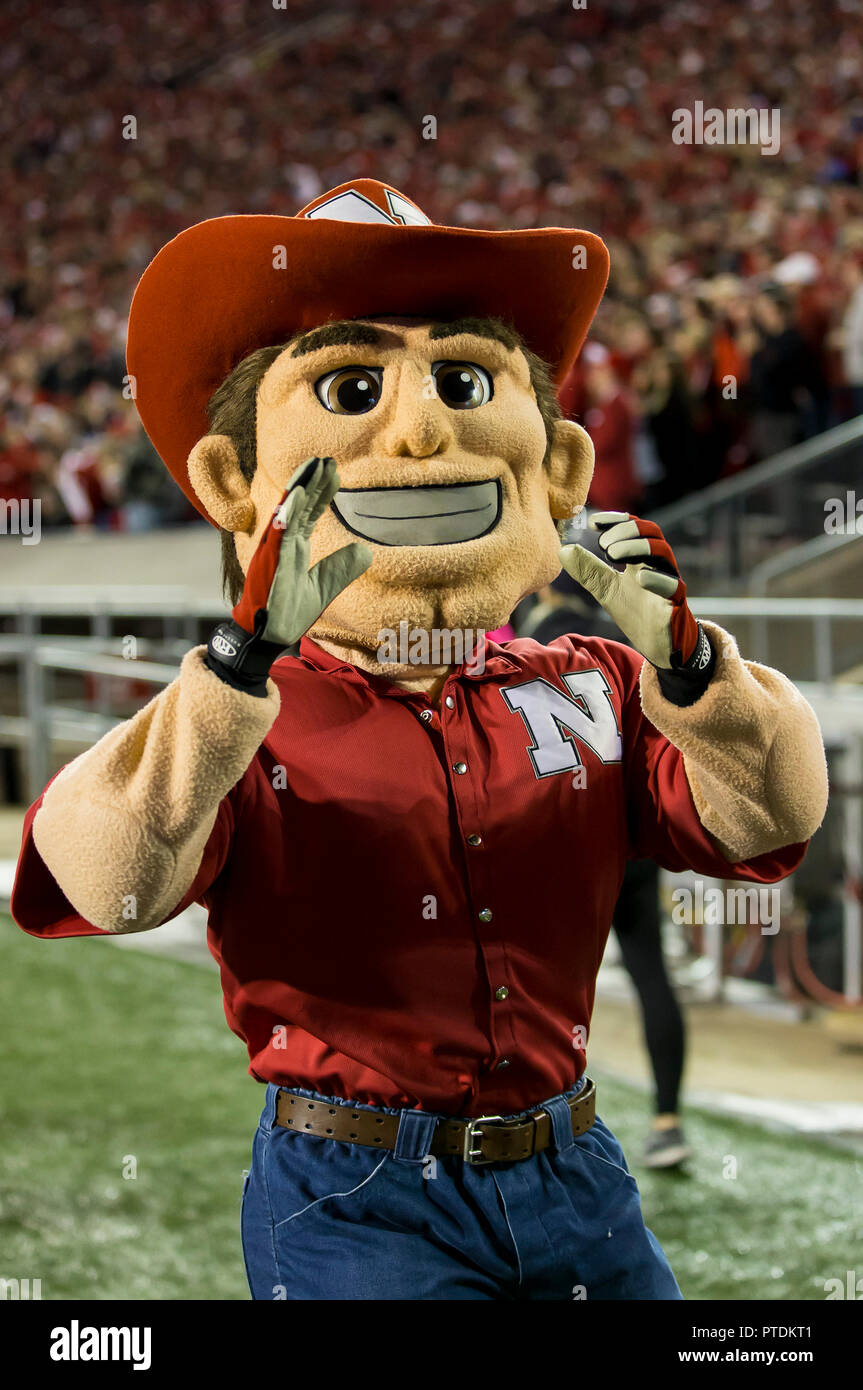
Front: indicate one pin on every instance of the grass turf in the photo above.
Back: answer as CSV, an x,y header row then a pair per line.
x,y
110,1056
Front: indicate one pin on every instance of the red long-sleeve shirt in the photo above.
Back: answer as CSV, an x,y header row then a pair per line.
x,y
409,905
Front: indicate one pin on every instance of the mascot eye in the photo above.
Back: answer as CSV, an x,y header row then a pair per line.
x,y
462,385
350,390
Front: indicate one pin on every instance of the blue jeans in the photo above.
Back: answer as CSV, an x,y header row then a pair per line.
x,y
326,1220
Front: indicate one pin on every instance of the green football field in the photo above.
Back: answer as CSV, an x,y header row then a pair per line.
x,y
114,1062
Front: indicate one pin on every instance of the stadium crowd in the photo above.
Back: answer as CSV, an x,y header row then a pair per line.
x,y
733,325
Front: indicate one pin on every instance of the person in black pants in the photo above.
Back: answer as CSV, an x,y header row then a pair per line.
x,y
566,607
637,924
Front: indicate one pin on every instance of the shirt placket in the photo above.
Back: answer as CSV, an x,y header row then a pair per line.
x,y
485,874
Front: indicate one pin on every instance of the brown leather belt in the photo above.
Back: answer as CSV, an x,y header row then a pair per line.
x,y
487,1139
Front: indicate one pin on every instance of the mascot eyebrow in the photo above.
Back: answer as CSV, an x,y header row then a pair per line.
x,y
232,408
479,328
345,333
349,333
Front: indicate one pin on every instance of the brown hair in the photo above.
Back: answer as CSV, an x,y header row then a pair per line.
x,y
232,410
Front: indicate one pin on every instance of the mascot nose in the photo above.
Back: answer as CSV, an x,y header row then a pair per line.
x,y
420,426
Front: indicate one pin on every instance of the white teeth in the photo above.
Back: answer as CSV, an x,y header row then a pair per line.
x,y
427,515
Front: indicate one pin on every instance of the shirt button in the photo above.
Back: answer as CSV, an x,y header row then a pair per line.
x,y
485,915
459,767
474,839
501,993
504,1062
449,702
426,714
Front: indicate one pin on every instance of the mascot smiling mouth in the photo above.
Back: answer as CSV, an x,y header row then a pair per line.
x,y
429,514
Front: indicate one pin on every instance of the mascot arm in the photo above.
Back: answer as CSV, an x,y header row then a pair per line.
x,y
751,744
752,752
125,825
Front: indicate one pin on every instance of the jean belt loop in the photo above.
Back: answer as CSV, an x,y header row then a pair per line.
x,y
561,1122
416,1130
268,1117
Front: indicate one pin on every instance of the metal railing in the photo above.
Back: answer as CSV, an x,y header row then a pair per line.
x,y
797,557
822,656
99,605
45,723
720,534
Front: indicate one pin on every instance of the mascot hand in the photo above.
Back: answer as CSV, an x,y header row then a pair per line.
x,y
646,597
282,597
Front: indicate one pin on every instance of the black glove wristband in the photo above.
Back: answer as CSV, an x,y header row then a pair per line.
x,y
242,659
686,683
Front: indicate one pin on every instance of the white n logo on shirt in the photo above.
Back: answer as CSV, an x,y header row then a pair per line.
x,y
554,720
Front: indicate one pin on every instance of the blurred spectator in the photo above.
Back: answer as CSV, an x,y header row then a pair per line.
x,y
19,462
852,332
610,422
150,496
782,374
664,403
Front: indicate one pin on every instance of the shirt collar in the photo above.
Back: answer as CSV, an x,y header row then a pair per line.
x,y
322,660
497,664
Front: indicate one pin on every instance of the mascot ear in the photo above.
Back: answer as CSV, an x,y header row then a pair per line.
x,y
570,469
216,476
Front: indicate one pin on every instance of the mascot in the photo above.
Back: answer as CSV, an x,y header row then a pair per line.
x,y
409,839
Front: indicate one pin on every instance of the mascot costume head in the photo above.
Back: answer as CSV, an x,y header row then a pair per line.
x,y
423,359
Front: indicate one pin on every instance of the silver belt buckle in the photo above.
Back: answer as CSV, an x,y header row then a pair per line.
x,y
469,1153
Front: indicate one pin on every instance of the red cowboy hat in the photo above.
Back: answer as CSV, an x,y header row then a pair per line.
x,y
225,287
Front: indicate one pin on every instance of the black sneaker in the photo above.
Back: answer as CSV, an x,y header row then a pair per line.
x,y
666,1148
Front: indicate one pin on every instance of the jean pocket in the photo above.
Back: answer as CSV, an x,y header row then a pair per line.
x,y
307,1174
599,1146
